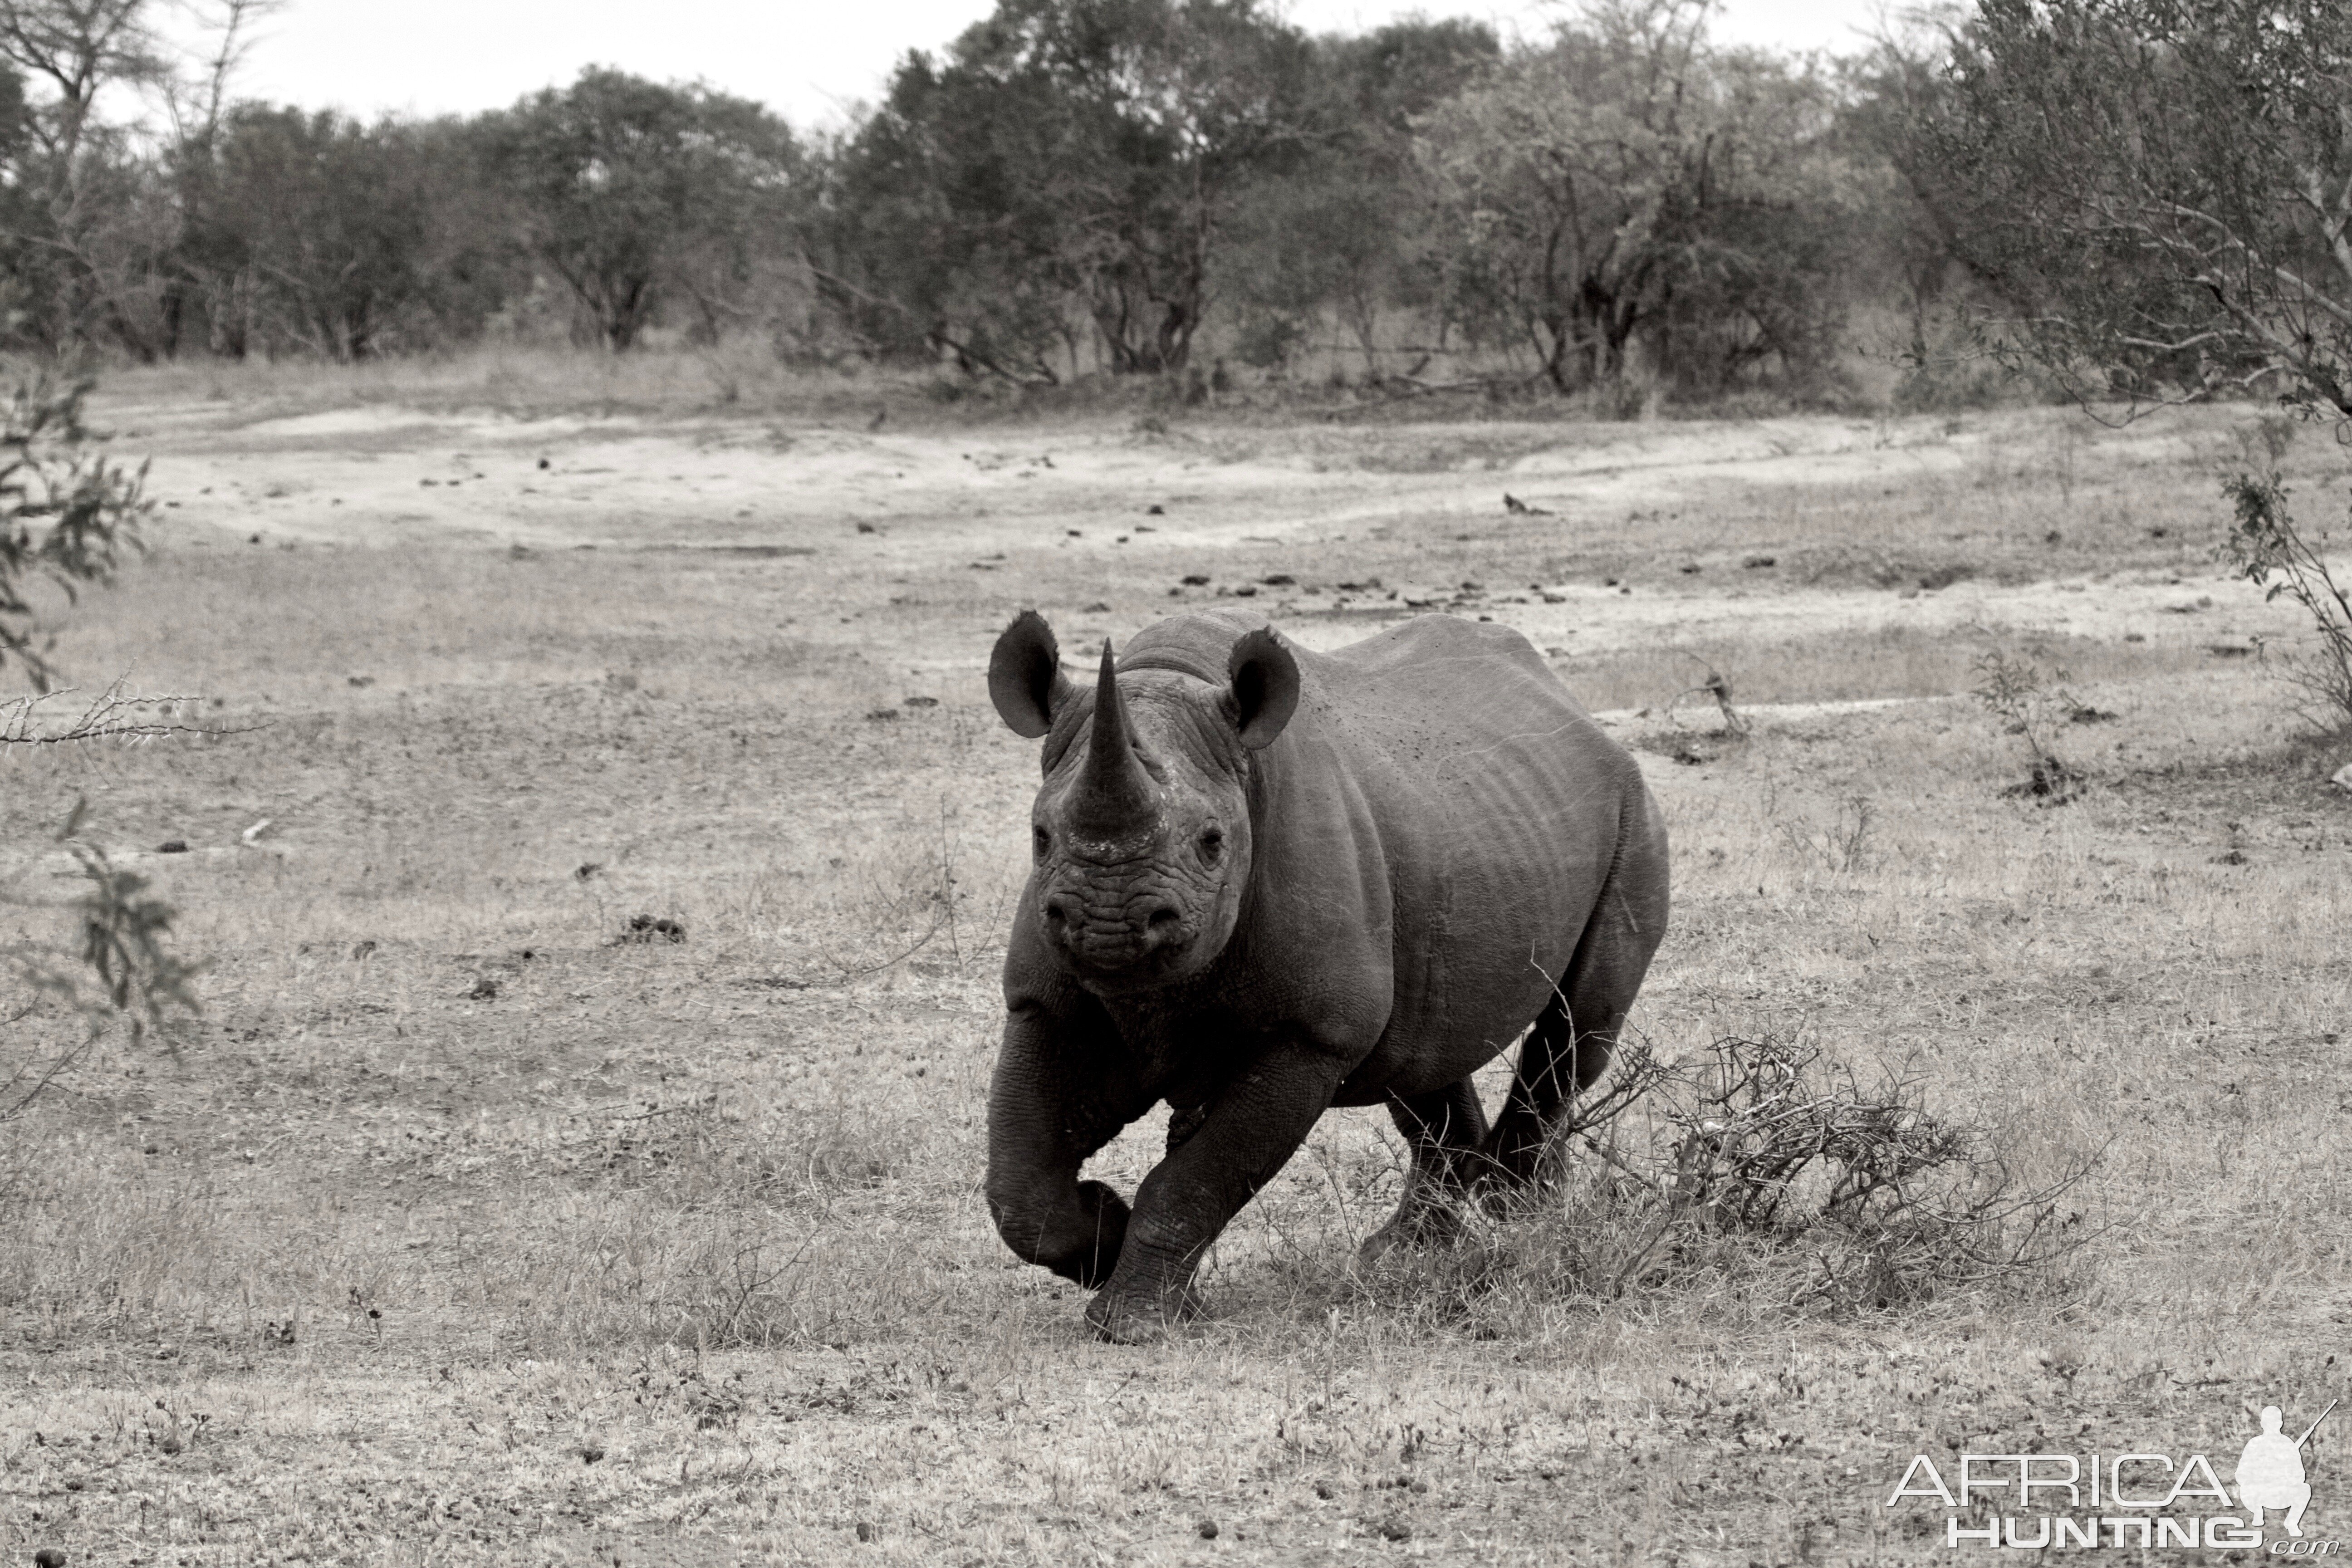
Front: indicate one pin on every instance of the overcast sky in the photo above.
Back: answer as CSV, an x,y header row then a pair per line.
x,y
810,60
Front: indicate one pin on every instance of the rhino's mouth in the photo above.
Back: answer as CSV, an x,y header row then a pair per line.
x,y
1121,936
1110,937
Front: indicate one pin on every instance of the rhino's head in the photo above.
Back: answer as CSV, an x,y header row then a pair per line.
x,y
1141,833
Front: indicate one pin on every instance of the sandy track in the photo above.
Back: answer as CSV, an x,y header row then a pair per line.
x,y
879,503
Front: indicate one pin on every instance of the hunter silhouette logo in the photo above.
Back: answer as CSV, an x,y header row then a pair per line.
x,y
2270,1471
2122,1498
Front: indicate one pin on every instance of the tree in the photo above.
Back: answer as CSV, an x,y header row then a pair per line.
x,y
2163,190
1340,227
1629,181
1071,154
327,219
85,206
628,190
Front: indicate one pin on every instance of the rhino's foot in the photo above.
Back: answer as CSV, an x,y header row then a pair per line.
x,y
1418,1226
1125,1320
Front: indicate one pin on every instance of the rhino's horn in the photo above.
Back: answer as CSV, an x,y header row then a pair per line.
x,y
1114,794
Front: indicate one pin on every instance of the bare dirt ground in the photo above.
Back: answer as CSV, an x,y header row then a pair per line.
x,y
455,1231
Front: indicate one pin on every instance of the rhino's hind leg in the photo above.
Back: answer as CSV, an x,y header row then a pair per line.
x,y
1565,1051
1444,1129
1576,1033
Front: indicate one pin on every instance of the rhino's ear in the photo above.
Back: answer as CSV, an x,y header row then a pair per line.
x,y
1266,686
1024,676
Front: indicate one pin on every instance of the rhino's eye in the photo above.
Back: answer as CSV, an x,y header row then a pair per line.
x,y
1041,840
1213,842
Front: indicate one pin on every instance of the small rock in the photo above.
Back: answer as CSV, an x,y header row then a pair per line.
x,y
170,1445
1208,1528
1196,580
543,463
1758,563
882,713
1155,509
865,528
362,680
589,1453
922,702
2342,779
587,869
1247,591
172,847
1323,1490
1280,580
865,1531
48,1557
485,990
2053,537
1074,533
1097,608
1395,1530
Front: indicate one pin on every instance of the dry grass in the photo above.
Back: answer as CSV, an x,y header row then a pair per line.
x,y
450,1189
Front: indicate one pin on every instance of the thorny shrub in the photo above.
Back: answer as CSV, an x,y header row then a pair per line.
x,y
1757,1171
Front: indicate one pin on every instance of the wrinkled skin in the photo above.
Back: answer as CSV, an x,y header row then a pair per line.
x,y
1269,881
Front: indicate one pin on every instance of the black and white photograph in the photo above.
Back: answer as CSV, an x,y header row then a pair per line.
x,y
972,782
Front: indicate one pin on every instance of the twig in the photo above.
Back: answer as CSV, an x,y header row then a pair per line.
x,y
847,974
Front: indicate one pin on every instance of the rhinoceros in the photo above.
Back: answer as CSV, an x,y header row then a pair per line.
x,y
1269,881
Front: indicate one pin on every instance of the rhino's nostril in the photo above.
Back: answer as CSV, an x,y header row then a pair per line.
x,y
1164,918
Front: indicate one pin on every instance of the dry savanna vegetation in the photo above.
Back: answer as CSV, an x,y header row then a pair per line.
x,y
602,871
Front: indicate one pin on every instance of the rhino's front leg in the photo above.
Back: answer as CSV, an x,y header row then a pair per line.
x,y
1062,1091
1249,1134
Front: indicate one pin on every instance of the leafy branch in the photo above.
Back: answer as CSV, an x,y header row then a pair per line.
x,y
122,941
2266,547
67,515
